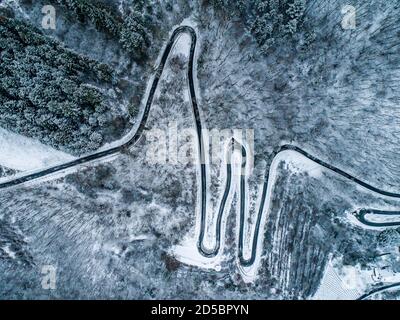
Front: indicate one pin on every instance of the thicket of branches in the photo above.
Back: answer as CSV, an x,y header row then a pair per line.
x,y
131,31
267,20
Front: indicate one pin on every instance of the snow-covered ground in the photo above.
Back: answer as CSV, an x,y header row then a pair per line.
x,y
25,154
188,253
336,287
345,282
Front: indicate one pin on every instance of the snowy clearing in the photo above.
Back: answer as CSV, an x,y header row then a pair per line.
x,y
22,153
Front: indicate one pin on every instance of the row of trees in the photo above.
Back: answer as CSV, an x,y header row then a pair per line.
x,y
45,91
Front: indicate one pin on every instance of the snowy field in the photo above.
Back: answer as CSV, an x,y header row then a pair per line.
x,y
25,154
334,287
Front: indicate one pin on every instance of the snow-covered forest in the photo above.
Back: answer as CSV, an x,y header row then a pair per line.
x,y
320,75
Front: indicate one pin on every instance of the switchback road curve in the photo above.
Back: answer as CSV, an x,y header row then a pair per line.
x,y
21,179
362,213
359,214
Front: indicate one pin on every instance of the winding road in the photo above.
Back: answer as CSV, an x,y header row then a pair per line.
x,y
379,290
362,213
359,214
210,252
